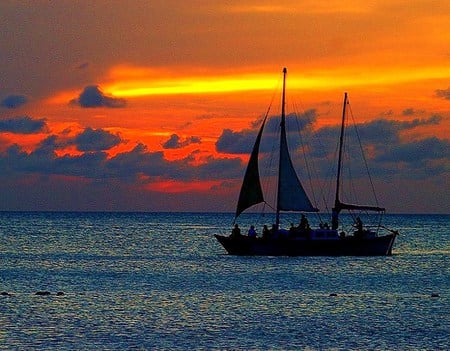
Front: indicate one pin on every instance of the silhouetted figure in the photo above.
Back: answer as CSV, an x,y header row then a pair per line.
x,y
292,230
303,223
252,232
236,231
359,226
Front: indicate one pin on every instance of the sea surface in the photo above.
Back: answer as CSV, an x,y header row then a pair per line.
x,y
160,281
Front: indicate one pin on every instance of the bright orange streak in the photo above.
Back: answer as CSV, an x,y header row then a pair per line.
x,y
194,86
128,81
138,82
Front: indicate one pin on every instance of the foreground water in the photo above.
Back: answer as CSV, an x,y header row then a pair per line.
x,y
161,282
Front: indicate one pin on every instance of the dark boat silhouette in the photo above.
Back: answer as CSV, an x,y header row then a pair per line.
x,y
291,196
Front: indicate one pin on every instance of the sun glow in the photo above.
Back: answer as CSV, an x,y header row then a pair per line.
x,y
129,82
189,85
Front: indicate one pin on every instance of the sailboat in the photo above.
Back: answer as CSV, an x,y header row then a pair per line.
x,y
291,196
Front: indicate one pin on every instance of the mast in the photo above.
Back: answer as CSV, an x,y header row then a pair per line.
x,y
282,135
337,204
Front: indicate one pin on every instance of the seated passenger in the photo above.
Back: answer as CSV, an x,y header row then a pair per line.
x,y
359,227
236,231
303,223
252,232
358,224
292,230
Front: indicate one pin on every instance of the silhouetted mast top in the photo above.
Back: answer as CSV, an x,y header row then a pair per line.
x,y
338,205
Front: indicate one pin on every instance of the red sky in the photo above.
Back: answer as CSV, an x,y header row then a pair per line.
x,y
113,105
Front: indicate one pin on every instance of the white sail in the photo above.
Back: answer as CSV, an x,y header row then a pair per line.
x,y
291,195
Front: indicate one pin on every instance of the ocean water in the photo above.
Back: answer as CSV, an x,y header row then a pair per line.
x,y
160,281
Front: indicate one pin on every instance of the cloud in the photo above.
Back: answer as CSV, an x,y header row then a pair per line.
x,y
445,94
23,125
236,142
13,101
175,142
381,139
140,161
138,165
96,140
377,132
92,97
220,168
242,142
385,149
417,151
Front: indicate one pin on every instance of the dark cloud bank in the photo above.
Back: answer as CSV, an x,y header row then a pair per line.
x,y
390,158
23,125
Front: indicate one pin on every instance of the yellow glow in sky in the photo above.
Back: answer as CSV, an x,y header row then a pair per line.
x,y
146,85
185,86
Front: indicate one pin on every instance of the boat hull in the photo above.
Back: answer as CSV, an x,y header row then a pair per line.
x,y
346,246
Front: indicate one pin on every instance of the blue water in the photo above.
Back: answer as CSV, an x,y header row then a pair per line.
x,y
161,282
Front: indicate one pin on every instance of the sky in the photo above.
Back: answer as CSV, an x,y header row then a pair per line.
x,y
154,105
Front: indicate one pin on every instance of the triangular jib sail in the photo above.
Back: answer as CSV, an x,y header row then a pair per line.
x,y
251,191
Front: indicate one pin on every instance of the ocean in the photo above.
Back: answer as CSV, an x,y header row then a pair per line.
x,y
160,281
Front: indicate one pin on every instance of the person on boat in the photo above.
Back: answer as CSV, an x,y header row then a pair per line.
x,y
265,232
236,231
304,225
359,226
292,230
252,232
274,231
324,225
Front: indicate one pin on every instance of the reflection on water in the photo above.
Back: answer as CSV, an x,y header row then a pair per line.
x,y
160,281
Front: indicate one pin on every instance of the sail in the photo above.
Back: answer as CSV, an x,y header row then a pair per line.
x,y
291,195
251,191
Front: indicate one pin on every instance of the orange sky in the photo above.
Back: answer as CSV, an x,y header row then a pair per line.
x,y
204,67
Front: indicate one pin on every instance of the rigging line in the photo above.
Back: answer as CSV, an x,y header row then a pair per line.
x,y
351,194
273,159
270,162
331,176
273,97
364,157
267,181
274,93
308,170
331,173
267,175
